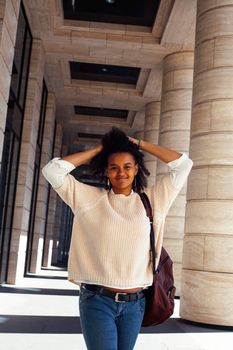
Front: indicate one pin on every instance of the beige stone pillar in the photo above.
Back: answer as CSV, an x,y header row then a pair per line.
x,y
58,206
138,124
151,134
56,230
26,165
207,283
174,134
42,197
9,11
48,240
139,135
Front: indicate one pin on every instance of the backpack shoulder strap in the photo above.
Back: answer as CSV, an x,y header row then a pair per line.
x,y
146,203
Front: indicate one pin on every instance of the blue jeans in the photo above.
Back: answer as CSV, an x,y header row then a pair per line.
x,y
107,324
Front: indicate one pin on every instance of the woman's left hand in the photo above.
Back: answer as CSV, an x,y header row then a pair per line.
x,y
133,140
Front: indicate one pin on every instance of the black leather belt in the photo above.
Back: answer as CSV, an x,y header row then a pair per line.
x,y
117,296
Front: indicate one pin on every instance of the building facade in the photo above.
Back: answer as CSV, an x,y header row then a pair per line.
x,y
160,70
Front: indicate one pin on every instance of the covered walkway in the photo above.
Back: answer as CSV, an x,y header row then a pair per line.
x,y
41,312
162,73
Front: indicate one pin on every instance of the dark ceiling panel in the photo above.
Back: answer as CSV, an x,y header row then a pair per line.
x,y
101,112
89,136
134,12
104,72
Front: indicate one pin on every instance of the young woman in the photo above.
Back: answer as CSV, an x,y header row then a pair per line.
x,y
109,254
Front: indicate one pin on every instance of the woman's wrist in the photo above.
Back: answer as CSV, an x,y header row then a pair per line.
x,y
98,149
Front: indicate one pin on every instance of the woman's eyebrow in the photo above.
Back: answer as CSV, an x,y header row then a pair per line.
x,y
124,164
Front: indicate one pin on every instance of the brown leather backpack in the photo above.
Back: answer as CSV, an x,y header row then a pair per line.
x,y
160,296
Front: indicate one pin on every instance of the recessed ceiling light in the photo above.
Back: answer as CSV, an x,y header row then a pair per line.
x,y
110,1
104,70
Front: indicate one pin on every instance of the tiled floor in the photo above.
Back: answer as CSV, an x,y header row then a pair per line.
x,y
42,313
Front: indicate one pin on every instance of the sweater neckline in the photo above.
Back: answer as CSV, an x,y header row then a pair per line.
x,y
118,195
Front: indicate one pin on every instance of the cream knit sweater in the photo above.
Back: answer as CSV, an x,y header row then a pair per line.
x,y
110,238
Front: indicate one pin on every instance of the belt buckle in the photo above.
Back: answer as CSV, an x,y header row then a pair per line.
x,y
117,298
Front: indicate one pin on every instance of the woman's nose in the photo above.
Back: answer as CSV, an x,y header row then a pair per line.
x,y
121,171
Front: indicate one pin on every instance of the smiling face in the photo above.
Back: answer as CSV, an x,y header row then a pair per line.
x,y
121,171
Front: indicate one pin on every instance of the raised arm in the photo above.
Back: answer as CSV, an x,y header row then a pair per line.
x,y
164,154
56,170
169,184
82,157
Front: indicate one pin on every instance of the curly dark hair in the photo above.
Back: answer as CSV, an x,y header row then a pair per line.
x,y
116,141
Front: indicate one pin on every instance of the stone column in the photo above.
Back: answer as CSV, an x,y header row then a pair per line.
x,y
50,233
9,11
26,165
151,134
42,197
139,125
56,230
139,135
174,134
49,239
207,283
58,206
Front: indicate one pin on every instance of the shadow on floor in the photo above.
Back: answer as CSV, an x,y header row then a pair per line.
x,y
41,291
46,277
71,325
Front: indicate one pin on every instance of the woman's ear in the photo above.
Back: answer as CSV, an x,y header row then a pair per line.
x,y
136,167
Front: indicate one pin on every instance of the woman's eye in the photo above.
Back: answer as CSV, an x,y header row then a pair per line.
x,y
128,167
